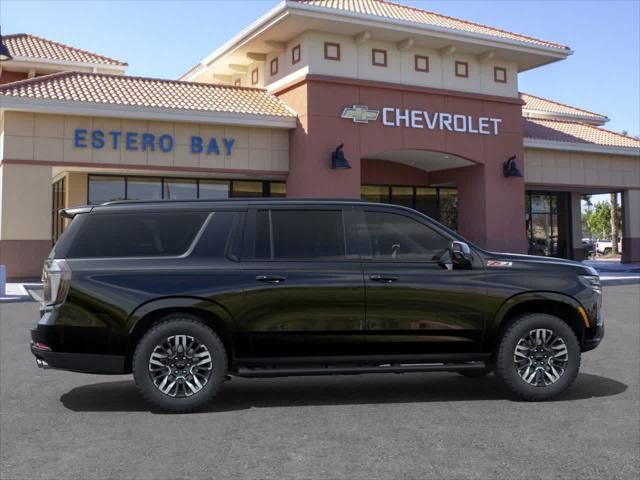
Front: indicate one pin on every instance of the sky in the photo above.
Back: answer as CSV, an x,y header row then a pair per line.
x,y
166,38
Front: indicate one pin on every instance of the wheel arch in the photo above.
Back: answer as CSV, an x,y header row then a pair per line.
x,y
211,313
559,305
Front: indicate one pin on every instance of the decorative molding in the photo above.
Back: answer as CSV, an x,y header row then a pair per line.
x,y
219,78
448,50
236,67
276,46
257,57
406,44
486,56
362,37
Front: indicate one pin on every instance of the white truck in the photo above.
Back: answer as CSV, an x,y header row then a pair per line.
x,y
605,247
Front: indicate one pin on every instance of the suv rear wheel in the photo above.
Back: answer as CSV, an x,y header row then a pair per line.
x,y
538,357
179,364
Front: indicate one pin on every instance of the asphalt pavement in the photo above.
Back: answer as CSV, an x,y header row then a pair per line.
x,y
64,425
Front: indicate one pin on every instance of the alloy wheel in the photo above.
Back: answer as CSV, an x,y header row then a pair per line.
x,y
180,366
541,357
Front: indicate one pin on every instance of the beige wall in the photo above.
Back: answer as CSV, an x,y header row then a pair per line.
x,y
76,189
355,62
562,168
632,213
25,201
50,138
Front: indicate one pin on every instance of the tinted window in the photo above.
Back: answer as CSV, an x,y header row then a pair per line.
x,y
398,238
136,235
143,188
222,236
300,235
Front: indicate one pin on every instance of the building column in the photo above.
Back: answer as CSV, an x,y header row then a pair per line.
x,y
25,219
631,239
490,207
577,252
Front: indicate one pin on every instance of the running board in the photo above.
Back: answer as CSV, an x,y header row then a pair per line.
x,y
352,370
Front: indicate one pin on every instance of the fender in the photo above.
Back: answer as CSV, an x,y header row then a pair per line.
x,y
531,296
179,302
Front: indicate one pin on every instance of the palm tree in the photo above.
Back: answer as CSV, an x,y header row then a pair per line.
x,y
614,222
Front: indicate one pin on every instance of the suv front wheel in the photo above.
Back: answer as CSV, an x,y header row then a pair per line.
x,y
538,357
179,364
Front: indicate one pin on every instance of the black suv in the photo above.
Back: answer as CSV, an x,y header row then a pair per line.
x,y
186,293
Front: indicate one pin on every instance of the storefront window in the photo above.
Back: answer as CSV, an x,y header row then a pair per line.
x,y
247,189
448,198
214,189
402,196
144,188
105,189
278,189
180,189
427,201
441,204
374,193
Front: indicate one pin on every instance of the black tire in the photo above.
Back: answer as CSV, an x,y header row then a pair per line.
x,y
169,326
607,251
480,373
506,368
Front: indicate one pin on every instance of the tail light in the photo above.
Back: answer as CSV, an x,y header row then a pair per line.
x,y
56,277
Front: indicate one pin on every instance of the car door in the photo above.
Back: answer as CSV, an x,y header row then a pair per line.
x,y
414,303
304,290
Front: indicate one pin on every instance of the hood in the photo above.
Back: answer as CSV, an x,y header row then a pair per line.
x,y
550,262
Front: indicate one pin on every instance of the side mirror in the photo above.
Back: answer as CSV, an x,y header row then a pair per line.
x,y
457,257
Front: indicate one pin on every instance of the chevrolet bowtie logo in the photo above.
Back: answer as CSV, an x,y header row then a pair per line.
x,y
360,114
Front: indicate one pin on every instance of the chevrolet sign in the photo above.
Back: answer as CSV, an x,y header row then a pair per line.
x,y
360,114
397,117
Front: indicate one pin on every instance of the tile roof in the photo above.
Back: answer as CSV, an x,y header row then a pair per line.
x,y
575,132
395,11
31,46
103,88
545,105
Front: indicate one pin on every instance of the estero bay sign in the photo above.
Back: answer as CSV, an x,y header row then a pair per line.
x,y
403,117
136,141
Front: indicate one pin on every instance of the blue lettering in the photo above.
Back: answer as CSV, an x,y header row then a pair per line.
x,y
80,138
213,146
97,137
228,144
165,142
131,141
115,136
196,144
148,140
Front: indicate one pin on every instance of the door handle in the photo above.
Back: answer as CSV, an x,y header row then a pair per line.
x,y
271,278
383,278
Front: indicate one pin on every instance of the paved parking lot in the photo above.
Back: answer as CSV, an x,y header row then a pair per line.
x,y
57,424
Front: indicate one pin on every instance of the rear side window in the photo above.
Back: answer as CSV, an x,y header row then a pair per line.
x,y
299,235
395,237
136,234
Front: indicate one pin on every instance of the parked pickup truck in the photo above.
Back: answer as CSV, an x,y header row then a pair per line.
x,y
605,247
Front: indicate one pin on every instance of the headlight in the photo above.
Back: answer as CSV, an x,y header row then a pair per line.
x,y
592,282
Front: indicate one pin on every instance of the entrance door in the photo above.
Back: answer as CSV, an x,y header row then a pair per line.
x,y
304,291
548,223
414,304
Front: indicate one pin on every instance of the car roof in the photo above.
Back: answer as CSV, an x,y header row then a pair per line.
x,y
155,205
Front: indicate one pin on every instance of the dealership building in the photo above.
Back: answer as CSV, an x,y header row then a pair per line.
x,y
424,109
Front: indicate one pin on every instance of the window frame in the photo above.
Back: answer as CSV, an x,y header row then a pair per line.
x,y
460,63
374,51
417,58
326,51
495,74
255,76
273,66
364,240
249,240
296,54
